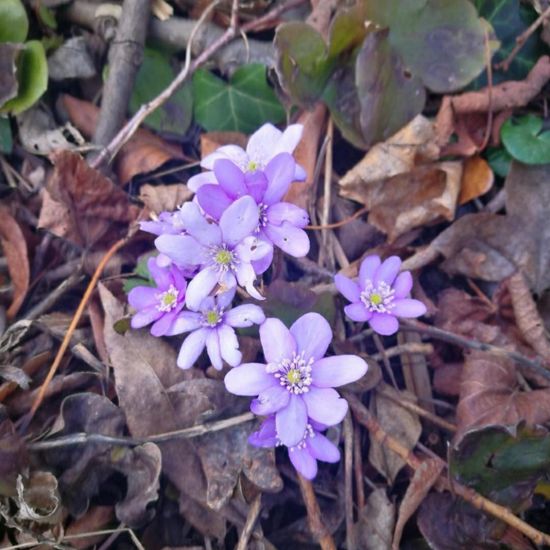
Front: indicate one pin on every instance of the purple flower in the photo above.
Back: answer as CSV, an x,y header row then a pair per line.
x,y
159,305
264,144
297,382
304,455
280,223
380,295
165,222
212,326
222,252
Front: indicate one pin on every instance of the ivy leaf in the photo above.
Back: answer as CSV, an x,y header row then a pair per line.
x,y
154,75
499,161
6,140
32,75
14,24
241,105
525,141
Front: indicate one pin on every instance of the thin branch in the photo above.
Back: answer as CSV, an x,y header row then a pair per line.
x,y
345,221
251,519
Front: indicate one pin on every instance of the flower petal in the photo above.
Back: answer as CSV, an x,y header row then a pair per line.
x,y
249,379
270,401
266,436
325,405
331,372
164,323
191,349
277,341
299,173
229,345
225,298
195,182
388,271
246,277
230,177
200,286
312,334
263,264
160,275
256,184
194,222
239,220
321,448
262,143
403,284
286,212
145,316
280,173
232,152
289,140
292,240
384,324
348,288
186,321
407,307
182,249
213,200
304,463
368,268
213,349
142,297
358,312
291,421
244,315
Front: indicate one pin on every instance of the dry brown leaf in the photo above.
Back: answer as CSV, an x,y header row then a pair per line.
x,y
81,204
95,519
15,251
477,179
399,423
376,522
413,144
160,198
490,394
143,153
423,480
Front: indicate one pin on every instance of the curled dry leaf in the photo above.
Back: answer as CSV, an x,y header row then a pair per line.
x,y
38,498
13,455
15,251
477,179
81,204
376,522
159,198
399,423
490,394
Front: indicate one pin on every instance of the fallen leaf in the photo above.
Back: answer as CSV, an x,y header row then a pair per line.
x,y
38,498
95,519
15,251
398,422
13,455
143,153
376,522
490,394
81,204
477,179
160,198
8,69
71,60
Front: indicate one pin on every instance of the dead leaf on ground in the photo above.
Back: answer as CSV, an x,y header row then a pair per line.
x,y
477,179
16,253
95,519
398,422
38,498
81,204
8,69
376,522
143,153
13,455
490,394
160,198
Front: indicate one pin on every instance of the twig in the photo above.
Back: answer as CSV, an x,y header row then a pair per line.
x,y
327,187
316,525
125,56
74,322
489,93
186,433
385,361
351,543
345,221
364,417
251,519
452,338
407,347
358,467
522,38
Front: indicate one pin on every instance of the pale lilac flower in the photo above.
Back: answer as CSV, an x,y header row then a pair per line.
x,y
211,326
163,223
304,455
160,304
380,295
223,253
297,382
264,144
280,223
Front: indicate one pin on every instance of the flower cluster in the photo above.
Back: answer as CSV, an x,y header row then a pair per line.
x,y
224,239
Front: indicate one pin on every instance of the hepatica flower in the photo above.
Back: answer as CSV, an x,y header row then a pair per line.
x,y
280,223
223,253
264,144
160,304
212,326
380,295
304,455
297,383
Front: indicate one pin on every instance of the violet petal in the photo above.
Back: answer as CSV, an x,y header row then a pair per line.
x,y
292,240
191,348
312,334
388,270
244,315
280,173
403,284
270,401
185,322
321,448
291,421
230,178
358,312
239,220
229,345
331,372
213,349
304,463
285,211
368,268
277,341
200,287
249,379
384,324
348,288
407,307
213,200
325,405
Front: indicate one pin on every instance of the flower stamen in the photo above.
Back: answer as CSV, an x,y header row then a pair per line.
x,y
167,299
379,299
293,374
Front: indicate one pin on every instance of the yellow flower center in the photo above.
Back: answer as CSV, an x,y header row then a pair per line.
x,y
224,257
375,299
293,376
252,166
212,317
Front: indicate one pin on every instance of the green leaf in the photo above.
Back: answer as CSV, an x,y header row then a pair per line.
x,y
499,161
6,140
525,141
242,104
154,75
14,23
47,16
143,276
32,75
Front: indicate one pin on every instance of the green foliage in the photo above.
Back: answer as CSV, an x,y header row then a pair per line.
x,y
242,104
142,275
373,78
502,463
32,75
14,24
499,161
154,75
525,141
6,140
